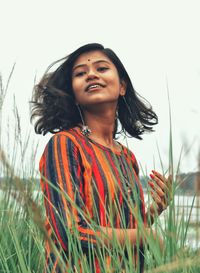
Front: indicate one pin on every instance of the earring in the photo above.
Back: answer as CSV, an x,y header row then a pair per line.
x,y
138,123
85,129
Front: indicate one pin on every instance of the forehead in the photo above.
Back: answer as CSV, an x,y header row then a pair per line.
x,y
90,57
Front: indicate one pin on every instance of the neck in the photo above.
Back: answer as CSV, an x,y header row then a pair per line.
x,y
102,125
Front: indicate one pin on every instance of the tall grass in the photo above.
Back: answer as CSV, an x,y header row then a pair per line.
x,y
22,231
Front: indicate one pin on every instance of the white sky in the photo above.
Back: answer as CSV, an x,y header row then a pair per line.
x,y
157,41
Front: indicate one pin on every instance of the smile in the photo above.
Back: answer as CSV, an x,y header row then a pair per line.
x,y
94,87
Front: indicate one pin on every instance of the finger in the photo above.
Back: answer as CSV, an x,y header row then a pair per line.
x,y
158,201
159,175
167,181
158,190
160,183
151,184
155,197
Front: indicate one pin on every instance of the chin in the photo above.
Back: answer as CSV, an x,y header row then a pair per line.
x,y
98,102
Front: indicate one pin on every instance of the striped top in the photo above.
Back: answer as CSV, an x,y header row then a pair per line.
x,y
87,185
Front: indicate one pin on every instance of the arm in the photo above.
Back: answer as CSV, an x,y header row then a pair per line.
x,y
130,235
62,184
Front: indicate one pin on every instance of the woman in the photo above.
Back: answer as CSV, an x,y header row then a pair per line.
x,y
93,196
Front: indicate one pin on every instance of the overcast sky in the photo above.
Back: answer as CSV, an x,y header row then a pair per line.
x,y
157,41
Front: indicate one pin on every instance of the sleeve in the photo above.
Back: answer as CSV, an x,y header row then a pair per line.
x,y
131,159
135,166
63,186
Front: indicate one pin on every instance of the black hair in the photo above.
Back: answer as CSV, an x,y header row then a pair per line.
x,y
54,102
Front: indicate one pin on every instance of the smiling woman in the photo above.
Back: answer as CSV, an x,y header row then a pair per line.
x,y
90,181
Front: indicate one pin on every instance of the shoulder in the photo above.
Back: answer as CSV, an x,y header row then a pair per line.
x,y
69,137
67,144
63,141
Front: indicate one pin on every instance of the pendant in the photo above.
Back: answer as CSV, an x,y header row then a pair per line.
x,y
85,130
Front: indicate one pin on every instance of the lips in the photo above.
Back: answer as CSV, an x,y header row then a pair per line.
x,y
94,86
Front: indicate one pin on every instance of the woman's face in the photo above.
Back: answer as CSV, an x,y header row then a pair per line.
x,y
95,80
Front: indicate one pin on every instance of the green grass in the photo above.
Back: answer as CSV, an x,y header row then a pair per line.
x,y
22,238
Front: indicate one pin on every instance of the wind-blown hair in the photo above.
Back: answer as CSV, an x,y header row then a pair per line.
x,y
54,102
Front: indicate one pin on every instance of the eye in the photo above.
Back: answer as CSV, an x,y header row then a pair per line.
x,y
102,68
79,74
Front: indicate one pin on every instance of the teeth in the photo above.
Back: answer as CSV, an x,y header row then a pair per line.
x,y
94,86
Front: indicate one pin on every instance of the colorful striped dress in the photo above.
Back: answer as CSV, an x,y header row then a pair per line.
x,y
87,185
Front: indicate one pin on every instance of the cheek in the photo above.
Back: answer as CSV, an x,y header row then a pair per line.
x,y
114,80
115,84
77,93
75,87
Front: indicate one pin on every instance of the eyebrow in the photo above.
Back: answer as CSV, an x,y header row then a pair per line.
x,y
81,65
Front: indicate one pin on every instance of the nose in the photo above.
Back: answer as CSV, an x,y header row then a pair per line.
x,y
91,75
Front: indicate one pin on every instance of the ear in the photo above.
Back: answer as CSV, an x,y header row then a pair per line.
x,y
123,86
